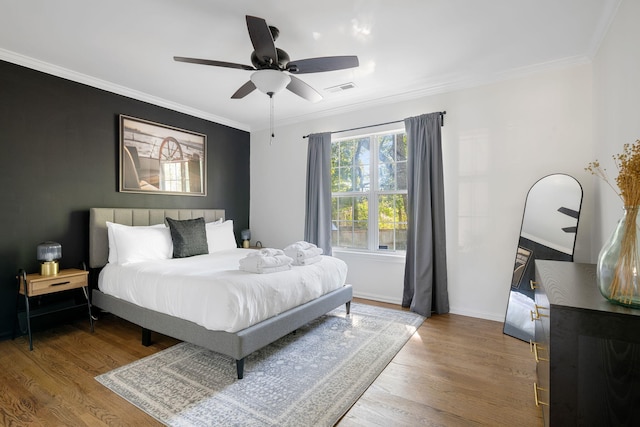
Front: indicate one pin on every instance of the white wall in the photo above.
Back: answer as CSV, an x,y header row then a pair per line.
x,y
617,110
498,140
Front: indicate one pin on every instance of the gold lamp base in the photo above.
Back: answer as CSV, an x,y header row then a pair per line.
x,y
49,268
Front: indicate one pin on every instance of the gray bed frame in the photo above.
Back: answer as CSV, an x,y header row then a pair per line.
x,y
237,345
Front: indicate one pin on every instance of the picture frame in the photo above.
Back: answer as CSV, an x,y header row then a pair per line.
x,y
161,159
523,256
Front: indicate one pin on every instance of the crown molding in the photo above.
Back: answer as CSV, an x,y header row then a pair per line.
x,y
74,76
422,89
607,16
435,87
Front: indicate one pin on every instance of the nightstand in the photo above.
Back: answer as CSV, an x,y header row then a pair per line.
x,y
32,285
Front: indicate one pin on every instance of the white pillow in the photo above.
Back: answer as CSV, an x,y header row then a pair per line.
x,y
113,253
129,244
220,236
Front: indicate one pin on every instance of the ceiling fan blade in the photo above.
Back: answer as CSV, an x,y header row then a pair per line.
x,y
325,63
571,212
244,90
262,39
212,62
302,89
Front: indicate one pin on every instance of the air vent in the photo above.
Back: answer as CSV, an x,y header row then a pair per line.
x,y
340,87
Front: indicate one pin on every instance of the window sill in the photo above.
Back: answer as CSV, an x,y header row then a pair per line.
x,y
377,256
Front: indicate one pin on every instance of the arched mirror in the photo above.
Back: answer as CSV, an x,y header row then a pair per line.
x,y
549,227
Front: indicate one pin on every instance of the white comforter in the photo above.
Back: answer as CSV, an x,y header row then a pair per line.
x,y
212,291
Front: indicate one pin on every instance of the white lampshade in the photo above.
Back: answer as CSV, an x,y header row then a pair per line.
x,y
270,81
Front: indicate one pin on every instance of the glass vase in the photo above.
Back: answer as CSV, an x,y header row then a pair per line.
x,y
618,267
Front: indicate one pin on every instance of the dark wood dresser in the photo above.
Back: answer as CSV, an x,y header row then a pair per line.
x,y
588,350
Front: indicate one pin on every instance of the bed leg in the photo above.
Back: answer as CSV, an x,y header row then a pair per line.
x,y
240,368
348,307
146,337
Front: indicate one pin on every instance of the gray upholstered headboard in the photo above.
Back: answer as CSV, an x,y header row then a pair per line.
x,y
98,217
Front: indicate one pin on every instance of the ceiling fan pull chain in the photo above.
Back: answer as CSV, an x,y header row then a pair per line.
x,y
271,120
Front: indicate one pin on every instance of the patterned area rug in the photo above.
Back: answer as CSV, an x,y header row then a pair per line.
x,y
308,378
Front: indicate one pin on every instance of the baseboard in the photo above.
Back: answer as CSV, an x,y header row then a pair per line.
x,y
452,310
476,314
375,297
8,335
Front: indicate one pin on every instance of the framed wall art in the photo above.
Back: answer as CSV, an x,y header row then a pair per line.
x,y
161,159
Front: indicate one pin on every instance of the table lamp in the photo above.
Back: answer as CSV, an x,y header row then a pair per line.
x,y
245,235
48,254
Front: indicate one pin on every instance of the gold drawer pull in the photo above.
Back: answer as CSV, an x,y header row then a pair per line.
x,y
539,307
535,347
535,395
533,284
536,315
61,283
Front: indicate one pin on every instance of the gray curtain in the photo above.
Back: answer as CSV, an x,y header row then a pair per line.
x,y
317,225
425,274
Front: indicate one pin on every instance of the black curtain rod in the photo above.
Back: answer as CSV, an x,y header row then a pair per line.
x,y
442,113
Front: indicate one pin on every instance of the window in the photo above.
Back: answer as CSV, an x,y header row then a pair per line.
x,y
369,192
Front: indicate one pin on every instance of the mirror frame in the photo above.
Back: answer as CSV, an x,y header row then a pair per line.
x,y
521,296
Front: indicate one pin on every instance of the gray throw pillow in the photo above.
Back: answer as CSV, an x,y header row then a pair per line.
x,y
189,237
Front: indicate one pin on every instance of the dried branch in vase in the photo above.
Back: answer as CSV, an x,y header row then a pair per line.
x,y
624,285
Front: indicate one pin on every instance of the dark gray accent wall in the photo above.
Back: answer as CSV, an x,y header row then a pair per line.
x,y
59,157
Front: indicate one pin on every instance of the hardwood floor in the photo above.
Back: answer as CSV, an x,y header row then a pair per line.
x,y
455,371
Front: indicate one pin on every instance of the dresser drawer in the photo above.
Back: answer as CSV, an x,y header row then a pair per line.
x,y
541,348
541,314
65,280
592,375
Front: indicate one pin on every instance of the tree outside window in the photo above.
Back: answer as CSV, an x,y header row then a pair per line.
x,y
369,192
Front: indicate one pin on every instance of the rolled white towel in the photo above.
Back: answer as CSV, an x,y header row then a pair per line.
x,y
301,245
308,261
266,270
265,252
264,258
300,251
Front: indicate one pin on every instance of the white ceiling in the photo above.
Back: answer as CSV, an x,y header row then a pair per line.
x,y
407,48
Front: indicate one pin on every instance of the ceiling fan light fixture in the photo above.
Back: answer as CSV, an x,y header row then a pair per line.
x,y
270,81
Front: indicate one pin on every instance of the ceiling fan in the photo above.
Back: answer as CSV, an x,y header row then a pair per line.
x,y
273,71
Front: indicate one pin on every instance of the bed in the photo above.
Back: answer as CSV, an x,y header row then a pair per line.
x,y
237,339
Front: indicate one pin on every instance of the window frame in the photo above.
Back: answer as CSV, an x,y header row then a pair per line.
x,y
372,194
